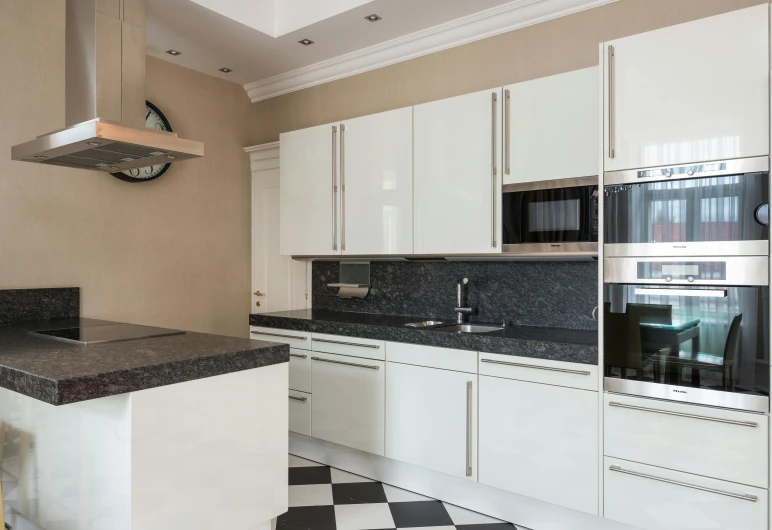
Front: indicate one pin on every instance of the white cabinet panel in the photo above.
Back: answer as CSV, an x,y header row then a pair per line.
x,y
553,127
348,401
300,340
377,184
431,418
355,346
300,370
300,411
654,498
560,373
309,197
429,356
457,201
540,441
688,93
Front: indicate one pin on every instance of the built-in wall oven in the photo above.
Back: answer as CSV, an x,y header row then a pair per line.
x,y
551,216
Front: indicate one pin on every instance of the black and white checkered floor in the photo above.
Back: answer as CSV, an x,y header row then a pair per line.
x,y
325,498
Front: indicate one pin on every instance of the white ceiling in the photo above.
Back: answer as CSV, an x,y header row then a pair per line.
x,y
209,41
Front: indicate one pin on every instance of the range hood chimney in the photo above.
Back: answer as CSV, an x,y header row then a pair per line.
x,y
105,96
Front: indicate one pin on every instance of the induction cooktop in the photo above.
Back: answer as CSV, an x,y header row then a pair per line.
x,y
105,333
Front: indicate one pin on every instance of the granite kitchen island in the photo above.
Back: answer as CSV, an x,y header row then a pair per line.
x,y
182,431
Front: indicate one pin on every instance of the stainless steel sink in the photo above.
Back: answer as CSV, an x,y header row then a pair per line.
x,y
425,324
469,328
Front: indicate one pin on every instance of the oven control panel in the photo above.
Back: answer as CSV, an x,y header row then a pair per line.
x,y
688,271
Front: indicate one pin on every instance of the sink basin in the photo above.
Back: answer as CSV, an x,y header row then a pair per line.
x,y
469,328
425,324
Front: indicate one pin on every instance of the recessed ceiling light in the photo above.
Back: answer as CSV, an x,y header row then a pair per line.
x,y
173,52
226,70
306,42
373,18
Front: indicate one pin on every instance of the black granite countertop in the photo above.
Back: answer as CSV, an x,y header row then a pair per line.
x,y
59,373
570,345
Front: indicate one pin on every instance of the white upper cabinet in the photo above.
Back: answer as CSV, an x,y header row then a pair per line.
x,y
551,127
457,179
688,93
309,196
376,177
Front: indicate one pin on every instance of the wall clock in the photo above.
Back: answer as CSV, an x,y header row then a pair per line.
x,y
154,119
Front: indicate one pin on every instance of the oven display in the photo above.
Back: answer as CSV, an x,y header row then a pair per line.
x,y
685,270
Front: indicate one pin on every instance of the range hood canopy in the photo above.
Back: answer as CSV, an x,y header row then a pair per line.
x,y
105,96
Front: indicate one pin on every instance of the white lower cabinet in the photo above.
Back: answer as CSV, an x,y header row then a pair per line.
x,y
300,412
300,370
431,418
654,498
348,401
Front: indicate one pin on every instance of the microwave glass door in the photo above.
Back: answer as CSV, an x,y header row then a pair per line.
x,y
549,215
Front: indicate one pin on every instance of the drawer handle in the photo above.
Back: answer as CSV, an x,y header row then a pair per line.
x,y
684,415
549,369
347,364
469,394
374,346
299,355
743,496
279,335
303,399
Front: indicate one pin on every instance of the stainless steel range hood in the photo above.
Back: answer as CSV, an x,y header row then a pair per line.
x,y
105,96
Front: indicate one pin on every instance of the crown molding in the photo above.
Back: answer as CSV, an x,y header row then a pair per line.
x,y
263,157
504,18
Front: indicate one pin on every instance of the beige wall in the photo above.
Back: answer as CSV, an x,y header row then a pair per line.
x,y
557,46
172,252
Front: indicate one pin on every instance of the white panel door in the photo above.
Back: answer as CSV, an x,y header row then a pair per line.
x,y
540,441
457,178
300,411
309,191
431,418
551,127
348,401
376,176
689,93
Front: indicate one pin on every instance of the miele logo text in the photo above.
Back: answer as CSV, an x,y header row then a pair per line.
x,y
679,246
554,245
680,391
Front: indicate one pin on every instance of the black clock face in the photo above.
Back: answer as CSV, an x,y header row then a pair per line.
x,y
154,119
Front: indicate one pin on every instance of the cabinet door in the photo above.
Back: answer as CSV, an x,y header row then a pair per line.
x,y
348,401
551,127
300,412
540,441
431,418
689,93
309,196
457,205
376,177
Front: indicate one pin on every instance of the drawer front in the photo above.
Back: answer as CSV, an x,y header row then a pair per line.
x,y
431,357
718,443
356,347
300,412
300,370
572,375
300,340
661,499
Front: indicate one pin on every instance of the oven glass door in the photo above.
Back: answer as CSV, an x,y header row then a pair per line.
x,y
701,210
710,337
548,216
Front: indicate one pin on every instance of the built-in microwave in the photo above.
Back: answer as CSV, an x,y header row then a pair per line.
x,y
551,216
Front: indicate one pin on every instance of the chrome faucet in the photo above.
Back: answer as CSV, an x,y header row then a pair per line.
x,y
462,301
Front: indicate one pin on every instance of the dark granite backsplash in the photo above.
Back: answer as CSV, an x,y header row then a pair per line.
x,y
558,294
19,305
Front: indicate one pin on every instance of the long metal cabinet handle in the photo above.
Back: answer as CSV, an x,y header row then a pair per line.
x,y
548,368
299,355
342,186
707,293
278,335
374,346
334,187
347,364
469,394
611,131
303,399
743,496
494,167
507,127
684,415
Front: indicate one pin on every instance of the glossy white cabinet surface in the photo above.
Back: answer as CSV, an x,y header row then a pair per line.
x,y
693,92
719,443
560,373
354,346
300,340
660,499
300,370
426,418
429,356
553,127
540,441
348,401
457,200
300,412
377,184
308,198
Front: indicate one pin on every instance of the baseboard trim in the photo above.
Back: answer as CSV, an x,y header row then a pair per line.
x,y
516,509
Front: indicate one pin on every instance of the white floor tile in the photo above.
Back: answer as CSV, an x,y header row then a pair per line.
x,y
296,461
430,528
342,477
310,495
463,516
363,516
399,495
